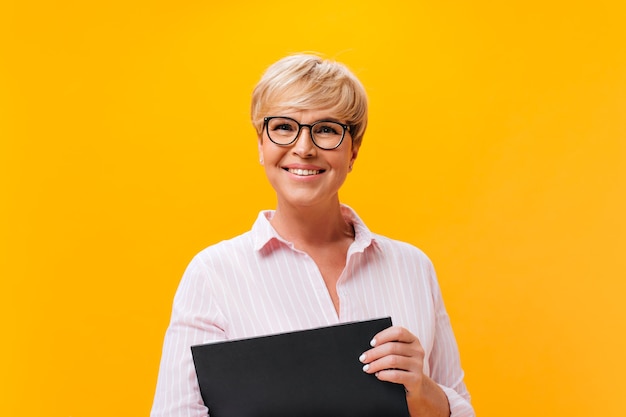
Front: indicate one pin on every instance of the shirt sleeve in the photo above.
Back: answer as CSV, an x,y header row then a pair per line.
x,y
196,319
444,361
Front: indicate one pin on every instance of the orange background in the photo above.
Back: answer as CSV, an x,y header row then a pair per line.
x,y
497,144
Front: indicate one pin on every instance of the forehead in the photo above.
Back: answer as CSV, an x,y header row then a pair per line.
x,y
305,116
304,109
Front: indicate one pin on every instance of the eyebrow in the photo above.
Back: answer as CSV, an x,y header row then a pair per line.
x,y
323,119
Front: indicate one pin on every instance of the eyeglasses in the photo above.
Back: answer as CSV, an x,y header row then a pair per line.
x,y
325,134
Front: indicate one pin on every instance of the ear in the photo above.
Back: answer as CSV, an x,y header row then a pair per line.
x,y
260,147
355,153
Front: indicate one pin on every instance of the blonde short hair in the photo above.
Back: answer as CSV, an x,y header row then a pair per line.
x,y
307,81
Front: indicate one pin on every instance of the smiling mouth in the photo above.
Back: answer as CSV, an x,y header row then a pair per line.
x,y
304,172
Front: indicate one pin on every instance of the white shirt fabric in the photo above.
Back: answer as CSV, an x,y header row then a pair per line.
x,y
258,283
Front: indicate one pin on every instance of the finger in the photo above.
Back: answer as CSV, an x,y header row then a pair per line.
x,y
395,362
410,380
406,371
390,348
410,350
393,334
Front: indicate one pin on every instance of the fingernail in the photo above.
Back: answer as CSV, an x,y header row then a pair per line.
x,y
366,367
362,358
373,342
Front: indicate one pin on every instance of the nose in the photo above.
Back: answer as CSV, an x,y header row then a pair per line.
x,y
304,146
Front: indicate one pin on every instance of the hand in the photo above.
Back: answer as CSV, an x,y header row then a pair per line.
x,y
397,356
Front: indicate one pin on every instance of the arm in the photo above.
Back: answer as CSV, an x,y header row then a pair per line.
x,y
398,356
196,319
444,361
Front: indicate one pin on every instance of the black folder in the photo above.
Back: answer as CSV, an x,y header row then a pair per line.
x,y
297,374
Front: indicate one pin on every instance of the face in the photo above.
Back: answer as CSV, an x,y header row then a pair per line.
x,y
302,174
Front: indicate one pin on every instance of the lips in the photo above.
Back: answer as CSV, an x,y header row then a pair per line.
x,y
303,172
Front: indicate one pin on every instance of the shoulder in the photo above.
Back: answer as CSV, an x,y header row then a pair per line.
x,y
215,265
398,248
220,252
403,260
382,247
242,245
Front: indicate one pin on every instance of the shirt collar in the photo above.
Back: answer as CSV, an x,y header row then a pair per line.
x,y
263,233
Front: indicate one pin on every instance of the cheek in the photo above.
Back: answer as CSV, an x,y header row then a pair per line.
x,y
270,153
348,159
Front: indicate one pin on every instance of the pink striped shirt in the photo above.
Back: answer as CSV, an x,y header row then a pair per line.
x,y
258,284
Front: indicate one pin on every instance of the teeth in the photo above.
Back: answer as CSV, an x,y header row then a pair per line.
x,y
304,172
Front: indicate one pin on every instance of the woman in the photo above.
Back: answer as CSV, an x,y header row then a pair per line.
x,y
312,262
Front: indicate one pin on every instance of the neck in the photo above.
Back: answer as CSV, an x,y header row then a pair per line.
x,y
306,226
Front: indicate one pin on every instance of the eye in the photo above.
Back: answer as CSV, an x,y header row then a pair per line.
x,y
282,126
328,129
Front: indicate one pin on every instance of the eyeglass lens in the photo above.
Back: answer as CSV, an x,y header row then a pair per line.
x,y
325,134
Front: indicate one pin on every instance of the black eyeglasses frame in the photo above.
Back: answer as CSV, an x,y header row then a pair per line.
x,y
346,128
